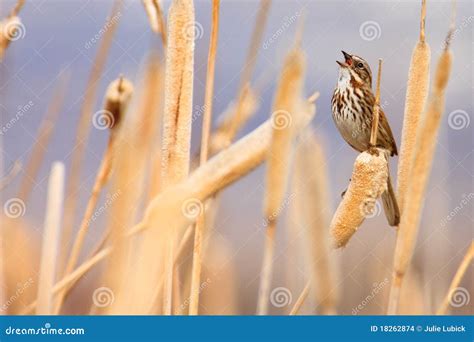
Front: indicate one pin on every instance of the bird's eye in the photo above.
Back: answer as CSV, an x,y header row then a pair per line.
x,y
360,65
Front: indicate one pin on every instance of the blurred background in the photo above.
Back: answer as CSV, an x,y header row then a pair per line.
x,y
59,39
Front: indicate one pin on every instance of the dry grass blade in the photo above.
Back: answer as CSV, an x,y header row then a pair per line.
x,y
423,158
116,102
52,227
206,129
301,298
8,178
376,111
466,261
155,17
82,133
284,117
416,96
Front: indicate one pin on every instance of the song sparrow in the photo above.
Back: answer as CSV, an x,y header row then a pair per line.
x,y
352,105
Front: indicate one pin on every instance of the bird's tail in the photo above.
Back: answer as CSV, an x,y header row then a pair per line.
x,y
390,204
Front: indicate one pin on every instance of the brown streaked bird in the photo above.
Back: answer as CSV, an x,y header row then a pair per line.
x,y
352,106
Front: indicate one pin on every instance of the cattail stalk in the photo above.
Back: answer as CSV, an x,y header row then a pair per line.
x,y
177,113
285,108
206,129
466,261
422,162
416,96
116,102
52,227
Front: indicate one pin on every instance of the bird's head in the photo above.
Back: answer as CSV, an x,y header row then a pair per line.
x,y
358,68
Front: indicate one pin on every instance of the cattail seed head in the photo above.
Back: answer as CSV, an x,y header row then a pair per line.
x,y
117,99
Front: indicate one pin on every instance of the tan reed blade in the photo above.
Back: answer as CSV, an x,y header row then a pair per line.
x,y
206,130
50,248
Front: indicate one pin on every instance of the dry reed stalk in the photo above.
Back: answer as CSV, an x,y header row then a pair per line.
x,y
416,96
419,175
155,17
11,28
414,295
250,61
177,113
203,156
117,98
43,137
285,111
220,171
368,182
301,298
52,227
82,132
466,261
131,166
310,184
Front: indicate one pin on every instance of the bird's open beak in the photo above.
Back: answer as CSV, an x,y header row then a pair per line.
x,y
347,60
